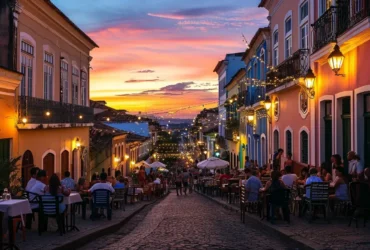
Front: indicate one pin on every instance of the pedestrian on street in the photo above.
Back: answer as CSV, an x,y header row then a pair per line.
x,y
185,180
178,183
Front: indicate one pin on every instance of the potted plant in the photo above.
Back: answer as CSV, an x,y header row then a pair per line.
x,y
9,176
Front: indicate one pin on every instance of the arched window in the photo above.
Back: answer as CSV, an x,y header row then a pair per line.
x,y
288,142
84,88
276,140
304,147
27,64
64,81
288,37
75,81
48,75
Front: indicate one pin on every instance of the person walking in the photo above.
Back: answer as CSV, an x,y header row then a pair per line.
x,y
277,159
178,183
185,180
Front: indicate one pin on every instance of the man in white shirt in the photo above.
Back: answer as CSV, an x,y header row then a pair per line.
x,y
37,188
103,184
289,178
32,181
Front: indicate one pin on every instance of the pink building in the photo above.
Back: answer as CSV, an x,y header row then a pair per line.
x,y
292,122
342,102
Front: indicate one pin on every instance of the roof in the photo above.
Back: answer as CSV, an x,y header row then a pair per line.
x,y
131,137
262,3
222,61
254,39
70,22
101,136
240,71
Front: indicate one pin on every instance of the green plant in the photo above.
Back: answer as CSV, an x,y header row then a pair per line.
x,y
9,175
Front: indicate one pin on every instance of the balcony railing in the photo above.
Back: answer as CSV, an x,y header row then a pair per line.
x,y
294,67
255,94
337,20
229,134
40,111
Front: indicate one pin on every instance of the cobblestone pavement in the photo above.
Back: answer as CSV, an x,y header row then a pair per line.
x,y
187,222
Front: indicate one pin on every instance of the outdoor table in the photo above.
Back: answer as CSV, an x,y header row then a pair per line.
x,y
71,201
14,208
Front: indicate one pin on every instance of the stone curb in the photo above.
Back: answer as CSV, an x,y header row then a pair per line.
x,y
283,233
88,237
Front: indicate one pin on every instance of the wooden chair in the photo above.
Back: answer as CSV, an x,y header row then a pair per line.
x,y
360,202
319,197
119,198
49,207
101,199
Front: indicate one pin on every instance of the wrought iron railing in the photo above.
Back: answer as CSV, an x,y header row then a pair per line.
x,y
292,68
253,95
337,20
41,111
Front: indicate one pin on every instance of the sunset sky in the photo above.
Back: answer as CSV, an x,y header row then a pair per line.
x,y
157,56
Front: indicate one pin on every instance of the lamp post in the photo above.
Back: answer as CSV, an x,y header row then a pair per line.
x,y
335,60
309,80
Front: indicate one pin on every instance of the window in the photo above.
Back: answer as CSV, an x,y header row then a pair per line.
x,y
276,141
48,76
255,70
357,5
64,81
288,47
304,36
276,56
346,126
328,130
276,108
75,80
262,64
303,102
328,111
288,141
83,88
288,25
323,6
304,147
276,37
4,150
27,58
304,11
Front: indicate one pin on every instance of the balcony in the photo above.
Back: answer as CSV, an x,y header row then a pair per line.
x,y
255,94
337,20
53,114
292,68
229,134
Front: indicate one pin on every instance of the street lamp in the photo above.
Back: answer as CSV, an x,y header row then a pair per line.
x,y
267,103
309,80
250,116
335,60
78,143
126,157
116,159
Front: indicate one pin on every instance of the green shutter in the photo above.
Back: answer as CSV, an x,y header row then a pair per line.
x,y
304,147
288,142
328,139
4,150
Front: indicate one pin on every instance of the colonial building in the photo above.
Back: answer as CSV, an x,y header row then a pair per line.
x,y
54,116
225,70
342,99
252,96
291,118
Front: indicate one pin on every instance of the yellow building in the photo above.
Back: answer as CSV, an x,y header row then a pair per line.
x,y
54,116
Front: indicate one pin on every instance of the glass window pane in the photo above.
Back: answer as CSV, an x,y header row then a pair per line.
x,y
288,25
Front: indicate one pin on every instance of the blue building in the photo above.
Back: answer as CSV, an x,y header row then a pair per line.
x,y
256,59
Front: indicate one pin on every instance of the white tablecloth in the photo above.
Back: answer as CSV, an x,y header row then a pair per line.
x,y
72,198
137,191
15,207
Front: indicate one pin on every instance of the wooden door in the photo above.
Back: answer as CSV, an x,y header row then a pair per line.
x,y
74,164
27,164
48,164
64,162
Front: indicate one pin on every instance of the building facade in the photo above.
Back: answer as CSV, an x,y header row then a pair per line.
x,y
256,59
225,70
54,116
291,119
342,100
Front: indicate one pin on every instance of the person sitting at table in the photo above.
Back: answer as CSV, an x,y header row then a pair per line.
x,y
252,185
225,176
68,182
39,187
273,187
340,186
325,173
32,181
313,178
103,184
94,180
120,183
81,184
217,174
55,188
365,176
289,178
303,176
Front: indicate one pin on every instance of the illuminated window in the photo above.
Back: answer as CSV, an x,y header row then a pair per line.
x,y
48,76
27,57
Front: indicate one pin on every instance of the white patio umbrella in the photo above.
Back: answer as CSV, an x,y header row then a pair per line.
x,y
213,163
139,164
157,164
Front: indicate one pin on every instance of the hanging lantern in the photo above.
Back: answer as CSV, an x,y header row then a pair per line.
x,y
267,103
336,59
310,79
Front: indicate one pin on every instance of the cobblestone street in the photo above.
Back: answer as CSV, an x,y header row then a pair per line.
x,y
187,222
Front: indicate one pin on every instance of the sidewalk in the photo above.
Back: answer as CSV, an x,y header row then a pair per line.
x,y
317,235
88,229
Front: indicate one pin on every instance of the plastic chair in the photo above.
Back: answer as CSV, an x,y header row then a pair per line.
x,y
319,197
49,207
101,199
